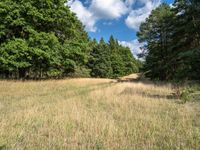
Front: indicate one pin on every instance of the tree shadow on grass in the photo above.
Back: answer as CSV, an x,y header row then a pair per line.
x,y
131,91
140,78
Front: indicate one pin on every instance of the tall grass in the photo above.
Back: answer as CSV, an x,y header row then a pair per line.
x,y
95,114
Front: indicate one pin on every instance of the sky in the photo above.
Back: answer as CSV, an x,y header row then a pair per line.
x,y
120,18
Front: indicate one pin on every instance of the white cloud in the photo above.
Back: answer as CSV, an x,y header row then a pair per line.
x,y
137,16
112,9
129,3
108,9
135,46
87,17
97,10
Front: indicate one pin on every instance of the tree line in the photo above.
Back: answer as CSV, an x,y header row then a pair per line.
x,y
172,41
112,60
44,39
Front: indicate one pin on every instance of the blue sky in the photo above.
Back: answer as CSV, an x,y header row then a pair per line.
x,y
120,18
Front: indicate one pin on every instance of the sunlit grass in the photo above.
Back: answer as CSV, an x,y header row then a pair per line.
x,y
95,114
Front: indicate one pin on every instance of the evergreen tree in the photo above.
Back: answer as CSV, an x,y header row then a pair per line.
x,y
156,33
172,40
186,38
101,63
130,63
117,63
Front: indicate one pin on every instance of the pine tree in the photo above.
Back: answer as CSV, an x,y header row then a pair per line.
x,y
156,32
130,63
172,41
186,38
101,63
117,63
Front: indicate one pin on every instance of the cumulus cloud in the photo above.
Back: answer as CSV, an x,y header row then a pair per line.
x,y
112,9
84,15
137,16
135,46
108,9
97,9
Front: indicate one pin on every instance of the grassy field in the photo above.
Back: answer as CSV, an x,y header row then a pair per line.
x,y
95,114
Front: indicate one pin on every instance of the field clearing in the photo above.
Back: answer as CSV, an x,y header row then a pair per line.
x,y
95,114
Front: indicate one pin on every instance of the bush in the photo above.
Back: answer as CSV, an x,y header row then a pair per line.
x,y
184,94
80,72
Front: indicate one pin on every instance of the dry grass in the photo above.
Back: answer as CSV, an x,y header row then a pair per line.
x,y
94,114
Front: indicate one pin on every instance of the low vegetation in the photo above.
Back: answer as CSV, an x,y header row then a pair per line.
x,y
96,114
43,39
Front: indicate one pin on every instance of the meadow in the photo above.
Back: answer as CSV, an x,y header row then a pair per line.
x,y
95,114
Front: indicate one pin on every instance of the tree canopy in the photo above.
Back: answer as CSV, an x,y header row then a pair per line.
x,y
43,38
112,60
172,37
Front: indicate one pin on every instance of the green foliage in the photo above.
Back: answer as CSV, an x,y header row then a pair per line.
x,y
33,39
100,60
44,39
111,60
54,73
15,57
185,94
80,71
172,34
131,65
